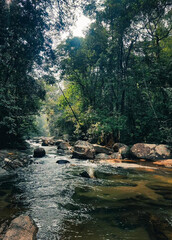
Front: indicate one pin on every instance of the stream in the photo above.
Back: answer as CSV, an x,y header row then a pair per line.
x,y
124,201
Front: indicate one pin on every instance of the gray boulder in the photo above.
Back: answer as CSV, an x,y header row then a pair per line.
x,y
151,151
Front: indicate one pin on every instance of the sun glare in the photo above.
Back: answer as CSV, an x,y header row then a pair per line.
x,y
80,26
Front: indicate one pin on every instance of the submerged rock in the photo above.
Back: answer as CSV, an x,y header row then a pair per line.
x,y
88,174
151,151
83,150
85,174
21,228
62,161
39,152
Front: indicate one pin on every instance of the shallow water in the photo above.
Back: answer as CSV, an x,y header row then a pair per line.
x,y
122,201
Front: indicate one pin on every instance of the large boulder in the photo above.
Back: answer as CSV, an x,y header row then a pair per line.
x,y
122,149
102,149
151,151
39,152
21,228
83,150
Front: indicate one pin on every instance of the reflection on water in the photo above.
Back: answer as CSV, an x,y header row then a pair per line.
x,y
116,204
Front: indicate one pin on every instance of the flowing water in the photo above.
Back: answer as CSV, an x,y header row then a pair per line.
x,y
121,201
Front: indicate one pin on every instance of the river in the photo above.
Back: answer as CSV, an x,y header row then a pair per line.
x,y
123,201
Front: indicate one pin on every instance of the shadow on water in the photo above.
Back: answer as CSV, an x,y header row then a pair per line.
x,y
117,204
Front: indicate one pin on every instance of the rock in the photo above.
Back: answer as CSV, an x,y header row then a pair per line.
x,y
48,141
62,161
85,174
57,142
102,156
4,173
12,164
21,228
117,146
45,142
64,145
3,228
116,155
83,150
159,228
39,152
84,143
151,151
123,149
10,160
102,149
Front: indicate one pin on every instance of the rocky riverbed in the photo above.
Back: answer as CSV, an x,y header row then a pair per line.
x,y
72,198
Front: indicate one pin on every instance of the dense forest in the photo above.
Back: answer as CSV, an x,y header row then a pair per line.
x,y
112,85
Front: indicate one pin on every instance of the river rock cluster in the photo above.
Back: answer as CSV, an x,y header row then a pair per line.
x,y
85,150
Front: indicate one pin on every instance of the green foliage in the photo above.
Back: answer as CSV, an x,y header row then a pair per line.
x,y
25,46
121,73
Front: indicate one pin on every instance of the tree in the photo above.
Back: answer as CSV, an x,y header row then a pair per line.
x,y
121,69
25,44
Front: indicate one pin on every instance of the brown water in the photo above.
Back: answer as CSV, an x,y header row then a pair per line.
x,y
123,202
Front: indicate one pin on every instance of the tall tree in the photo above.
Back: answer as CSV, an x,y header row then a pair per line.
x,y
122,71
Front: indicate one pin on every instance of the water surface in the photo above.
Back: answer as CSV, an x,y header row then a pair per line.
x,y
122,201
